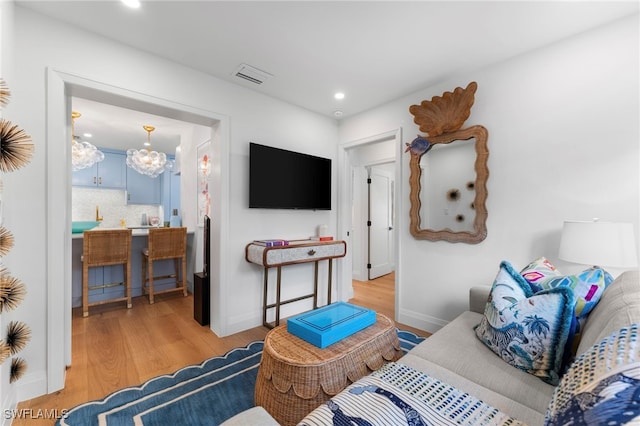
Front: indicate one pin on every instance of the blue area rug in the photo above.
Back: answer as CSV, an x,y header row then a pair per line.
x,y
205,394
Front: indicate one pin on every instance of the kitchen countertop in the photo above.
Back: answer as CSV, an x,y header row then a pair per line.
x,y
136,231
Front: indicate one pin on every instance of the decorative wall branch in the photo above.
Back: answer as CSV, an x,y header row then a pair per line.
x,y
6,241
16,151
18,368
16,148
18,335
5,351
12,292
5,93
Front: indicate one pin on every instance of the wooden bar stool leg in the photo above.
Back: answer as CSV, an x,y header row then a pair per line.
x,y
85,290
184,276
143,269
150,269
176,271
127,283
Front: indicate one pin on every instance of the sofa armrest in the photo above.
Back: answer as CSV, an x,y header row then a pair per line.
x,y
478,296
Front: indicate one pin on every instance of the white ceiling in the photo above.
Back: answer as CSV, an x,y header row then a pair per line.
x,y
120,128
373,51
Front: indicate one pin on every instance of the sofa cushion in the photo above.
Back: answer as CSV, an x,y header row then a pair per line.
x,y
602,387
400,395
618,307
456,349
502,402
529,331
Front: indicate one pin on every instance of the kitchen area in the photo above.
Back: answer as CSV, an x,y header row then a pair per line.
x,y
116,193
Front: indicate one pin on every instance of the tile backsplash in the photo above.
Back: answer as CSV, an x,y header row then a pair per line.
x,y
112,206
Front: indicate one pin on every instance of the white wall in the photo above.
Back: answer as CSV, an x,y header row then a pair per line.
x,y
563,144
41,43
7,392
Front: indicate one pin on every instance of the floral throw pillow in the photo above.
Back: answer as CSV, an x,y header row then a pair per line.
x,y
538,272
602,386
527,330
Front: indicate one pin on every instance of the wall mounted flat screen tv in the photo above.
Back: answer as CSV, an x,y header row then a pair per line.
x,y
282,179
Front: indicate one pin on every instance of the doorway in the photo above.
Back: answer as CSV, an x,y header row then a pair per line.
x,y
61,87
376,156
380,247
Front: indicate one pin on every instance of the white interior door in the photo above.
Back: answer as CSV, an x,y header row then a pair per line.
x,y
380,222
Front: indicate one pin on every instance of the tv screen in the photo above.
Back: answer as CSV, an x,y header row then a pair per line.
x,y
281,179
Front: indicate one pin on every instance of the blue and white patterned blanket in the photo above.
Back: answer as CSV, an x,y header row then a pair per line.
x,y
399,395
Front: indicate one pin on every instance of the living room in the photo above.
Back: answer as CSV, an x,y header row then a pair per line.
x,y
563,142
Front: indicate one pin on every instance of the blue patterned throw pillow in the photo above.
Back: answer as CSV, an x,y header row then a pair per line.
x,y
602,386
587,287
527,330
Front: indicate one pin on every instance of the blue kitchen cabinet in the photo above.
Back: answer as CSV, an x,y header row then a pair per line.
x,y
170,194
109,173
142,189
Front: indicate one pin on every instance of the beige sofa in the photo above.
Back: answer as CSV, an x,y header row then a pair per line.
x,y
455,355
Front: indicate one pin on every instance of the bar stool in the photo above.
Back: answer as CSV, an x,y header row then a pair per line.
x,y
104,248
165,243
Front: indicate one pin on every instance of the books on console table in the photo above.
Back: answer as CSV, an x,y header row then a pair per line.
x,y
271,243
327,325
321,238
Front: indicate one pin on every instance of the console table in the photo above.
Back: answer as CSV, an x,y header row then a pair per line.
x,y
298,251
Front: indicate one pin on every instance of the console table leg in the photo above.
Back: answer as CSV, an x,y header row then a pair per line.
x,y
264,297
330,274
315,286
278,296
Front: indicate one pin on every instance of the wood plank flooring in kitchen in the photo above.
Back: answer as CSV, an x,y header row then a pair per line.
x,y
115,347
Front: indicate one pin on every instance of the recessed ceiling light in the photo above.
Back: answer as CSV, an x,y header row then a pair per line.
x,y
134,4
87,135
339,95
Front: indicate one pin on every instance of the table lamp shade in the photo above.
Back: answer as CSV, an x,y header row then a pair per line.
x,y
594,243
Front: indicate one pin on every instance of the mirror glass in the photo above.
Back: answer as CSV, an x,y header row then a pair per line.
x,y
448,188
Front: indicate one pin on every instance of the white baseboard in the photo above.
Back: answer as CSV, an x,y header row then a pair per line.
x,y
32,385
421,321
238,323
9,404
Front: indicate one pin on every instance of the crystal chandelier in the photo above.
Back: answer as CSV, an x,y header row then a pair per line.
x,y
83,154
147,162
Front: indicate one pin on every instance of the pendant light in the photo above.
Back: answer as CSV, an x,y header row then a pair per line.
x,y
83,154
148,162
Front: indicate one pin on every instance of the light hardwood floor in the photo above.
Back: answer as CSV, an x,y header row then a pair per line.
x,y
117,347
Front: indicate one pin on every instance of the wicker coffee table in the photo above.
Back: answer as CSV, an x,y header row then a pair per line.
x,y
295,377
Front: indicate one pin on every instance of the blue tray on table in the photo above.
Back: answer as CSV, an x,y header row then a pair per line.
x,y
327,325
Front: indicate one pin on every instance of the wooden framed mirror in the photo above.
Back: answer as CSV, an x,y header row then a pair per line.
x,y
448,171
448,188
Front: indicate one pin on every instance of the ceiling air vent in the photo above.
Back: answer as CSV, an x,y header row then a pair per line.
x,y
252,74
